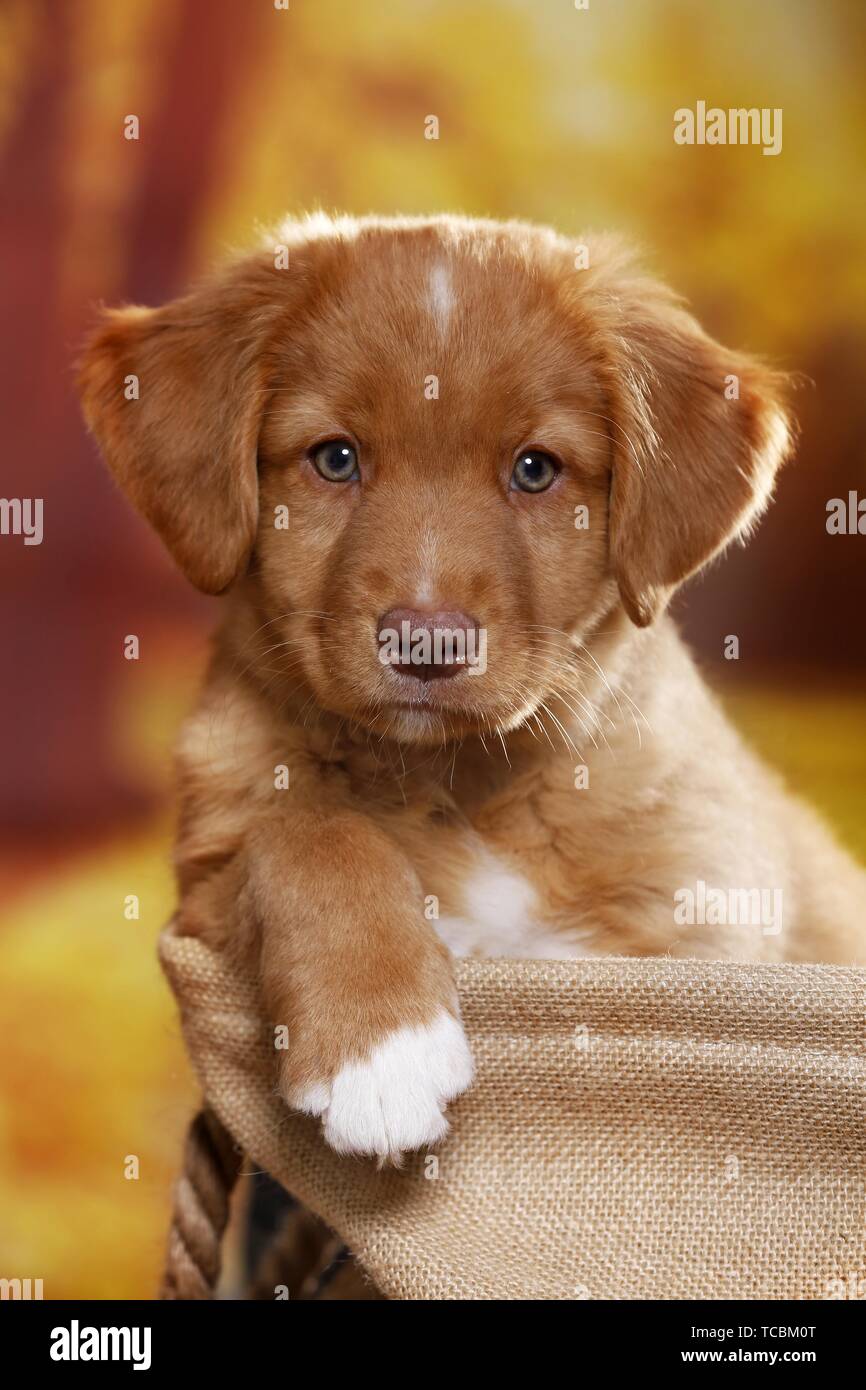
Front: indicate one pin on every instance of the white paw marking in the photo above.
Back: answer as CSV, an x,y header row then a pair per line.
x,y
395,1100
313,1100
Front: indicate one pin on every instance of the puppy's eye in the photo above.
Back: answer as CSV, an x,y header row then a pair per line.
x,y
336,460
534,471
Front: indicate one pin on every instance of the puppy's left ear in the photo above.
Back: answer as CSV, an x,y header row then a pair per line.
x,y
174,397
698,435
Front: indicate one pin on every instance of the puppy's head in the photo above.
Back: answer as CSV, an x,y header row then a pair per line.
x,y
440,452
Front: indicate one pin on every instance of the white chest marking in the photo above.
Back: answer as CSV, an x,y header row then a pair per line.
x,y
499,918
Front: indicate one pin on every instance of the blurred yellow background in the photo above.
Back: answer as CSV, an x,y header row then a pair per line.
x,y
248,111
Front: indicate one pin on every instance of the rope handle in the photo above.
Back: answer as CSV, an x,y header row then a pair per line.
x,y
211,1164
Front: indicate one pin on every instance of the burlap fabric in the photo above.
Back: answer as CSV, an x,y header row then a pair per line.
x,y
639,1129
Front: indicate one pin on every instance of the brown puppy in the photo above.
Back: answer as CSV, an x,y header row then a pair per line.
x,y
418,426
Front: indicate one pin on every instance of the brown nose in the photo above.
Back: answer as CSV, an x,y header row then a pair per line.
x,y
429,646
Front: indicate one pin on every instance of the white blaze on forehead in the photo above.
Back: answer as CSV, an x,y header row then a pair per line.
x,y
440,295
428,568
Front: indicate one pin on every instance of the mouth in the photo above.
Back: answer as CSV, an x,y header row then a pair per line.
x,y
430,700
423,706
418,692
427,716
432,671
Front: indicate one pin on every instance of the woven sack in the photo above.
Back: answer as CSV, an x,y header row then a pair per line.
x,y
638,1129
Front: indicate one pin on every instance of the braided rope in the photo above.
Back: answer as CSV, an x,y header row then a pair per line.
x,y
211,1163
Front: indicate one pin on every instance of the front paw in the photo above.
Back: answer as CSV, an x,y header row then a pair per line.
x,y
392,1101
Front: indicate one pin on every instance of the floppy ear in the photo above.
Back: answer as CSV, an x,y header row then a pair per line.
x,y
699,433
174,397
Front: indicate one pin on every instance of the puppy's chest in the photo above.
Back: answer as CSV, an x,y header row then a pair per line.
x,y
481,903
498,913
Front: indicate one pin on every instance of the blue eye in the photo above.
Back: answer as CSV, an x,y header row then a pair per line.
x,y
336,461
534,471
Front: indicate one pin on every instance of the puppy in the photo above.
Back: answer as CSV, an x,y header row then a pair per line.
x,y
376,434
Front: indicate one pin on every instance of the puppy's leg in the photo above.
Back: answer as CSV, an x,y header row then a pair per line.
x,y
365,988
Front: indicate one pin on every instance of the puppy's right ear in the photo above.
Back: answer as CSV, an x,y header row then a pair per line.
x,y
174,398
